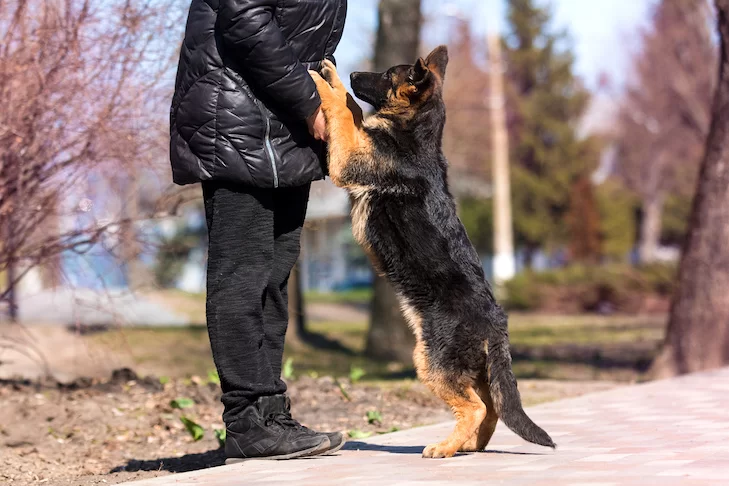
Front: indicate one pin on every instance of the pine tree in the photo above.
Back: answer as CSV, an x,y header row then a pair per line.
x,y
544,102
584,222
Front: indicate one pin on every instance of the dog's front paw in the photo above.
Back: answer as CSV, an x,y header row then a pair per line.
x,y
437,451
329,72
321,84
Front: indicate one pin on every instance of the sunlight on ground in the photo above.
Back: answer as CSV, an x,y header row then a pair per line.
x,y
181,352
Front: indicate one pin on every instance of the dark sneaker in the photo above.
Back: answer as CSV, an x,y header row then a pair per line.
x,y
336,442
282,405
260,434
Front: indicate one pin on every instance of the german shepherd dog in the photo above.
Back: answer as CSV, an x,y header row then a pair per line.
x,y
403,215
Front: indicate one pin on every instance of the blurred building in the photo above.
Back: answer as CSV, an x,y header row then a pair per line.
x,y
330,258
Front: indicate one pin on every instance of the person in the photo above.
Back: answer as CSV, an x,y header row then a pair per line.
x,y
246,122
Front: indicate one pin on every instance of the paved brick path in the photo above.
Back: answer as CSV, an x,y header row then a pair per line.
x,y
662,433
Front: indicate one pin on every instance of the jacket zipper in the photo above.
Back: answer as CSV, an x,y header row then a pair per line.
x,y
269,149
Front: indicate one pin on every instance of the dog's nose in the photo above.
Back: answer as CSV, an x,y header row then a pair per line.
x,y
353,76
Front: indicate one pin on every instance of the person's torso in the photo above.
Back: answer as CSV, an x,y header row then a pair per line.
x,y
226,128
312,28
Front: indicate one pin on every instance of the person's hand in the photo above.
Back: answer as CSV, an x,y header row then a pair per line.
x,y
317,125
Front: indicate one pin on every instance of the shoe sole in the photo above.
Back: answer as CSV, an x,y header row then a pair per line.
x,y
335,449
293,455
329,450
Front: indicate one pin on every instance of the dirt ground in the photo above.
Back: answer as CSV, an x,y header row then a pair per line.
x,y
91,432
96,430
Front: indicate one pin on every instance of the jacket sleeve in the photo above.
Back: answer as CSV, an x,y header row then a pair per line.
x,y
251,35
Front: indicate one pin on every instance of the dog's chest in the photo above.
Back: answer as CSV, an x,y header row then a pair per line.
x,y
360,200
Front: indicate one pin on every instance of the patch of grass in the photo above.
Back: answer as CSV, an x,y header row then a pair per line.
x,y
538,330
356,296
190,305
550,370
195,430
213,377
353,335
374,417
356,373
171,352
179,352
220,434
358,434
182,402
288,369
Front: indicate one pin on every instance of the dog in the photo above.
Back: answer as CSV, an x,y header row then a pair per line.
x,y
403,215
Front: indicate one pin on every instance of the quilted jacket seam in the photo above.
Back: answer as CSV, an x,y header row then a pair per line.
x,y
184,94
215,128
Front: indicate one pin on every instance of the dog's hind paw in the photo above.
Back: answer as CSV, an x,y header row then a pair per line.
x,y
438,451
470,448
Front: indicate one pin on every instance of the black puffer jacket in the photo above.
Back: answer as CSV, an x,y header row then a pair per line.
x,y
243,92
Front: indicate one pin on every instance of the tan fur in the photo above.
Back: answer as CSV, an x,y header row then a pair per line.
x,y
359,200
377,122
345,137
481,438
412,317
460,395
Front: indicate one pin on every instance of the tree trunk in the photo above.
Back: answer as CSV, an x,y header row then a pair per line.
x,y
51,270
9,249
398,37
698,329
297,317
650,229
12,298
389,338
398,33
138,275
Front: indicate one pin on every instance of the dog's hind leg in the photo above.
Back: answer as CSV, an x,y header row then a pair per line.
x,y
459,393
481,438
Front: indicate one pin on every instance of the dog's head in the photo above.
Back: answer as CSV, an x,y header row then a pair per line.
x,y
405,87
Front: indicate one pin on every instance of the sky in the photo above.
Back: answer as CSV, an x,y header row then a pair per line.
x,y
604,33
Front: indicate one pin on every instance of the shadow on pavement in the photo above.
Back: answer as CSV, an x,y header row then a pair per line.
x,y
186,463
364,446
394,449
204,460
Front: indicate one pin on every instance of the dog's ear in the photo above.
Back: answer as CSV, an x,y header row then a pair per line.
x,y
421,73
438,60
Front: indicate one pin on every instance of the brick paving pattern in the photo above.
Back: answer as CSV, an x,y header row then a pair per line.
x,y
672,432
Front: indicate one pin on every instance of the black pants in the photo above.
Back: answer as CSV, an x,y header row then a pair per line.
x,y
253,245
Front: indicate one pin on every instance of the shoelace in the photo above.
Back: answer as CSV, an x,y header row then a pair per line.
x,y
291,420
282,419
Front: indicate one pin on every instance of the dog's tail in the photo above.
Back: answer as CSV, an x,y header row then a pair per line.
x,y
502,386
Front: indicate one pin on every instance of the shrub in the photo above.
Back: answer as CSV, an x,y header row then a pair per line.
x,y
580,288
660,278
522,293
